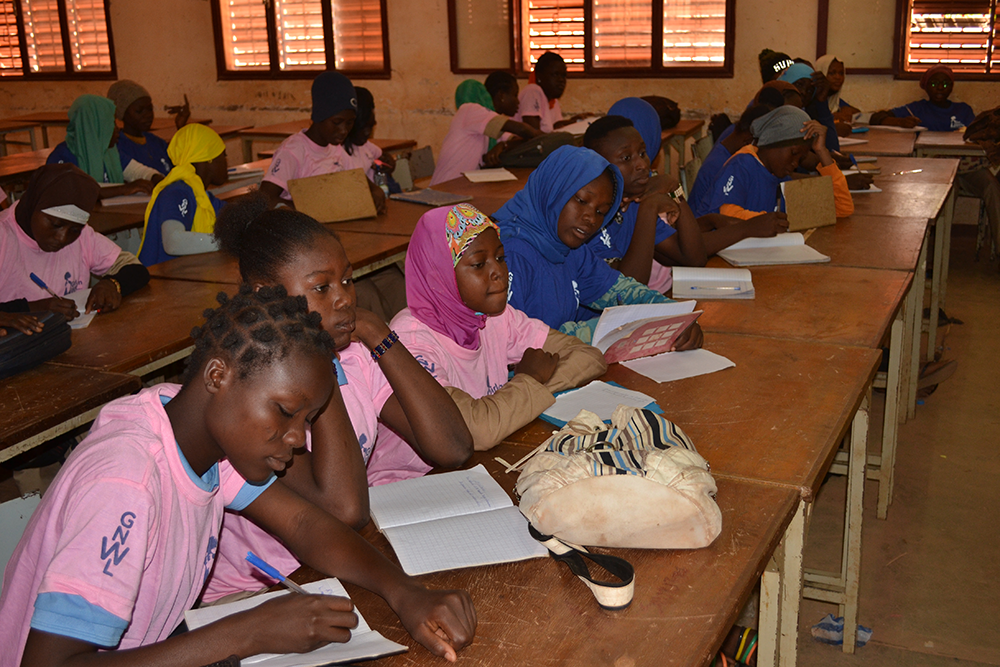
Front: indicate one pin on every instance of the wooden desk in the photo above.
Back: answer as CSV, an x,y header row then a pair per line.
x,y
150,330
19,166
940,172
536,612
47,119
947,144
676,138
281,131
387,146
497,190
903,200
872,242
50,400
225,131
16,126
883,142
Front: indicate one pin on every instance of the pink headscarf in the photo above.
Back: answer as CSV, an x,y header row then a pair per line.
x,y
440,238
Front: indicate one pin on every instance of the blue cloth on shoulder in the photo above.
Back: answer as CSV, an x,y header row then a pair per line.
x,y
175,202
612,242
956,116
745,182
700,199
153,153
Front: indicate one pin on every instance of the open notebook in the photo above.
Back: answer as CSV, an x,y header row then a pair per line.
x,y
364,644
641,330
788,248
452,520
702,283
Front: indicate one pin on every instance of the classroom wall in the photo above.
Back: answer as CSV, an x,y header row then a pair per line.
x,y
168,46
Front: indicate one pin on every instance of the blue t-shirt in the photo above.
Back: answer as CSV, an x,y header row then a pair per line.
x,y
700,199
821,111
553,293
956,116
61,154
612,242
175,202
746,183
153,153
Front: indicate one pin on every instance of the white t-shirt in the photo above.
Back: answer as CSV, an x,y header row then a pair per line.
x,y
123,541
467,141
298,156
533,102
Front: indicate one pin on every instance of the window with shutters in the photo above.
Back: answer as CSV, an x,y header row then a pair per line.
x,y
961,34
55,39
598,37
298,38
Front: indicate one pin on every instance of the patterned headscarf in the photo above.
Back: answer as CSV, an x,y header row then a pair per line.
x,y
438,242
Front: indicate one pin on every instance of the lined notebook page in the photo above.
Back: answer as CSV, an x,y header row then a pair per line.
x,y
779,240
436,496
499,536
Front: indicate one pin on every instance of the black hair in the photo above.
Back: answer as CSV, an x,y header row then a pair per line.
x,y
499,81
668,110
753,113
718,124
263,240
767,60
602,127
547,60
772,97
255,328
366,108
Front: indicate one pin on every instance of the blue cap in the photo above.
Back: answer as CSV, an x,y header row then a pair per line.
x,y
796,72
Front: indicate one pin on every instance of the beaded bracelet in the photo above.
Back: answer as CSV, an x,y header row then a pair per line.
x,y
384,346
114,281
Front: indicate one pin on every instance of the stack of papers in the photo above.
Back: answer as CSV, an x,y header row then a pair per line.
x,y
489,175
787,248
701,283
452,520
672,366
364,644
598,397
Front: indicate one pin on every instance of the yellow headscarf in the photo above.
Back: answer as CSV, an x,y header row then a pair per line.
x,y
192,143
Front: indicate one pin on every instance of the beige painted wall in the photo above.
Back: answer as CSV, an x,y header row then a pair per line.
x,y
167,45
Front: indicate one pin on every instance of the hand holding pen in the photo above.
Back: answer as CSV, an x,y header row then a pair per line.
x,y
57,304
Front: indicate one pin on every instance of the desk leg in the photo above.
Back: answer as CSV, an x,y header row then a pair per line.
x,y
780,596
34,140
677,143
890,422
45,135
949,216
916,306
939,278
247,149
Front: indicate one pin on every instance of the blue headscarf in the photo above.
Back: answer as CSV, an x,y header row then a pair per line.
x,y
644,117
533,213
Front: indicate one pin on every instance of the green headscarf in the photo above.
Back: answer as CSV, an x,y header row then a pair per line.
x,y
474,91
91,126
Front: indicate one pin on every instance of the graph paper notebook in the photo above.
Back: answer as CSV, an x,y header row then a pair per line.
x,y
452,520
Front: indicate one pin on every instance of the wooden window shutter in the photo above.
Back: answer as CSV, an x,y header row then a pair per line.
x,y
357,34
43,35
553,25
958,34
244,34
623,33
301,44
88,35
694,33
10,52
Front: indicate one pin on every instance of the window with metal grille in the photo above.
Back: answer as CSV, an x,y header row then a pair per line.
x,y
602,37
958,33
55,39
295,38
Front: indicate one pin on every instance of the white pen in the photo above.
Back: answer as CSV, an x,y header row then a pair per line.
x,y
696,287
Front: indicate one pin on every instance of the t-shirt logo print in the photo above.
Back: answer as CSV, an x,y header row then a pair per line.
x,y
606,237
183,208
70,285
115,551
728,187
213,544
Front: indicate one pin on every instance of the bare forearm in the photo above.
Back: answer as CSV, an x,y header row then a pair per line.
x,y
638,259
689,247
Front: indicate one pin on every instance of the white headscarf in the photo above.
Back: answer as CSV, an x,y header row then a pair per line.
x,y
823,65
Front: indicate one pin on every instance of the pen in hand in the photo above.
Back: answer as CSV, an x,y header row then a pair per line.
x,y
261,565
41,283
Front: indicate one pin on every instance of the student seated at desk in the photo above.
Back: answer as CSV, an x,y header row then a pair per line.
x,y
134,108
843,113
539,101
482,118
46,233
180,216
359,151
639,241
749,183
90,145
459,327
123,541
554,276
772,64
814,88
379,381
318,149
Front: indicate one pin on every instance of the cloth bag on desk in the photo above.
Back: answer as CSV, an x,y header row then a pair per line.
x,y
638,484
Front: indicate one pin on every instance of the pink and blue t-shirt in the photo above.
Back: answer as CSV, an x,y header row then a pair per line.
x,y
532,101
64,271
125,538
365,391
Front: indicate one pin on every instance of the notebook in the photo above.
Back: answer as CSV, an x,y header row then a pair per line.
x,y
673,366
601,398
849,141
429,197
83,320
702,283
489,175
452,520
809,202
787,248
641,330
342,195
365,643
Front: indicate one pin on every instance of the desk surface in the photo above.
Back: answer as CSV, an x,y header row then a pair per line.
x,y
827,304
903,200
167,132
62,118
943,140
49,395
811,392
883,142
151,324
874,242
684,128
536,612
18,165
940,171
495,190
16,126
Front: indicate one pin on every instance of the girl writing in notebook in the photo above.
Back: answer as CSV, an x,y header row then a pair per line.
x,y
124,539
554,276
459,327
379,381
46,234
181,213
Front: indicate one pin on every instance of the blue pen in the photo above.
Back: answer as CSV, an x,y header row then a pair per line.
x,y
259,563
41,283
854,162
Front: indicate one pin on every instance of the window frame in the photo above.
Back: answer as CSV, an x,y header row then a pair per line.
x,y
69,74
903,30
275,73
655,70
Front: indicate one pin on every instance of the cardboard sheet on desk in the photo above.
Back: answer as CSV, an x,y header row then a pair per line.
x,y
809,203
336,197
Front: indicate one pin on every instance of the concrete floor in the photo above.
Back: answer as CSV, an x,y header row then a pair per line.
x,y
930,579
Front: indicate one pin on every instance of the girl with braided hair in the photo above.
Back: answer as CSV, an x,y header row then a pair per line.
x,y
125,538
